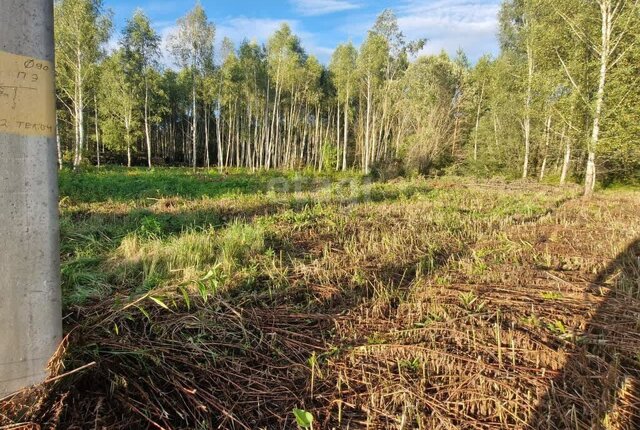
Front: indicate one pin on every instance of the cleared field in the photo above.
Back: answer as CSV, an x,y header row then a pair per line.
x,y
227,300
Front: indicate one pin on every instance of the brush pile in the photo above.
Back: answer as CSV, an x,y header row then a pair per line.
x,y
162,365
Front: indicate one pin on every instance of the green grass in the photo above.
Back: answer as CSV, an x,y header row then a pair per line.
x,y
118,184
630,185
135,230
132,231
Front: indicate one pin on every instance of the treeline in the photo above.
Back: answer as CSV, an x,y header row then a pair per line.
x,y
560,99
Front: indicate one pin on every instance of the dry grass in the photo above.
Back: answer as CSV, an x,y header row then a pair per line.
x,y
536,327
433,305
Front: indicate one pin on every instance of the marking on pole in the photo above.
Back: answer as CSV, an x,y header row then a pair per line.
x,y
27,96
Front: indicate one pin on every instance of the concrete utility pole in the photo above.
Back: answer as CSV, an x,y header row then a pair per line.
x,y
30,311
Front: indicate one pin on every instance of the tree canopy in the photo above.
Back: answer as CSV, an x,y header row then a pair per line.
x,y
559,101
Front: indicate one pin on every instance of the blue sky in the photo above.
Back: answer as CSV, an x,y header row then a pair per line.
x,y
323,24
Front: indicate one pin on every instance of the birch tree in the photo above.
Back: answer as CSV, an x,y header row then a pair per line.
x,y
192,46
617,19
140,45
343,67
518,34
371,65
82,28
118,103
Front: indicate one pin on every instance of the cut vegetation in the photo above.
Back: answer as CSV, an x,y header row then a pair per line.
x,y
244,301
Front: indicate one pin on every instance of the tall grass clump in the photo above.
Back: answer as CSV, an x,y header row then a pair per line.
x,y
238,242
82,280
154,261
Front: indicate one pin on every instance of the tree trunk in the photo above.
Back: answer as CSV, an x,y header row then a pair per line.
x,y
527,112
567,161
346,132
367,131
605,50
95,104
219,138
338,146
206,135
454,141
475,140
147,132
77,109
495,130
80,120
194,136
58,144
128,140
546,148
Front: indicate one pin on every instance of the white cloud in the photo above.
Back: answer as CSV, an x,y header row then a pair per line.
x,y
451,24
165,31
258,29
113,43
323,7
447,24
322,53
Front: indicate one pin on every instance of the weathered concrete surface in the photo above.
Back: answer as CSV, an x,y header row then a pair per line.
x,y
30,310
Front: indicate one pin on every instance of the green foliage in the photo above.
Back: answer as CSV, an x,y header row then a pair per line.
x,y
81,30
150,228
372,108
192,43
119,105
531,321
552,295
141,46
620,154
557,327
304,419
343,68
372,61
471,302
428,87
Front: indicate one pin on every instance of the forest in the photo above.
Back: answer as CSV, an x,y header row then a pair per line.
x,y
560,100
